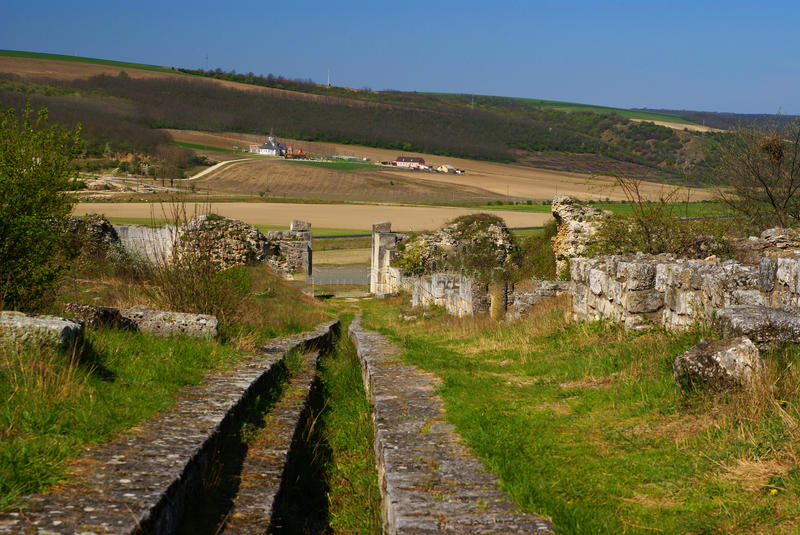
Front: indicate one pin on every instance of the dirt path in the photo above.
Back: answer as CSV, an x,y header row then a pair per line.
x,y
346,216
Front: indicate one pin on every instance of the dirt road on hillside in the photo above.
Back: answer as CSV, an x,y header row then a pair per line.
x,y
516,181
345,216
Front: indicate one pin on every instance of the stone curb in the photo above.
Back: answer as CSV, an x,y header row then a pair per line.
x,y
263,468
141,484
429,481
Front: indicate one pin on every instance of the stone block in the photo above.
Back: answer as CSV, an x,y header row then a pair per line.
x,y
99,316
746,298
637,275
383,226
20,327
643,301
299,226
165,323
597,281
765,326
786,273
719,364
766,274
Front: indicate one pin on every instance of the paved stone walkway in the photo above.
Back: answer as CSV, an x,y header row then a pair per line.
x,y
430,483
141,483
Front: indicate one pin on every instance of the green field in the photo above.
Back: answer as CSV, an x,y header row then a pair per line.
x,y
692,209
206,147
79,59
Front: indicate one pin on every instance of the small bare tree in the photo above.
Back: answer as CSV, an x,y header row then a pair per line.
x,y
759,173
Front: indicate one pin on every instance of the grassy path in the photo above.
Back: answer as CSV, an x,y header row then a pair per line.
x,y
584,423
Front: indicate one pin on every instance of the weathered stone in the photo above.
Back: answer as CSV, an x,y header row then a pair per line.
x,y
429,481
141,483
766,275
643,301
18,327
719,364
225,242
152,245
299,226
765,326
383,226
99,316
165,323
576,229
638,275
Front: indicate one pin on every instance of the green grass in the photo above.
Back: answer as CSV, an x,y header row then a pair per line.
x,y
54,405
207,147
691,209
584,423
80,59
354,501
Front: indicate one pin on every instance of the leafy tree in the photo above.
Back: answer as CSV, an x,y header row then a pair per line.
x,y
759,173
35,170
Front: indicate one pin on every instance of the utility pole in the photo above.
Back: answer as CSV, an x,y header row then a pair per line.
x,y
206,60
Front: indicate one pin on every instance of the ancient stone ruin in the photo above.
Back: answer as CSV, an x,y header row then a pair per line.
x,y
576,226
460,294
225,242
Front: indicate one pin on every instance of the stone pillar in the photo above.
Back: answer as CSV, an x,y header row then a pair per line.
x,y
384,243
498,294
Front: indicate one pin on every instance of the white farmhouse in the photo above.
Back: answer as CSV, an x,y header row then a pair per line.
x,y
271,148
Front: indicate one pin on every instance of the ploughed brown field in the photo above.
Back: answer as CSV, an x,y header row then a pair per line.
x,y
342,216
482,180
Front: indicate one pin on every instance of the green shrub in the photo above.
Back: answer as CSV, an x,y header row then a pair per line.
x,y
35,170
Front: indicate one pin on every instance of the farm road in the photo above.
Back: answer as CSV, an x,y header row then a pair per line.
x,y
352,216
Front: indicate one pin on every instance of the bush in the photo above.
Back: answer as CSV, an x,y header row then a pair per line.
x,y
537,259
35,170
759,173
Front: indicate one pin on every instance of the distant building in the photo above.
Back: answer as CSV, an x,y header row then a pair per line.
x,y
410,161
271,148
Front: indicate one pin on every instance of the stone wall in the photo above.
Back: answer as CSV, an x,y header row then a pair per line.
x,y
228,241
576,229
457,294
645,290
295,246
150,244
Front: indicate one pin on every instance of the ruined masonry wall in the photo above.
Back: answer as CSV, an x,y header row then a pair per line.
x,y
675,293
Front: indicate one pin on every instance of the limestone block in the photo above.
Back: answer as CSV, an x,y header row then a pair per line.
x,y
99,316
614,290
663,276
637,275
383,226
746,298
765,326
719,364
20,327
766,275
299,226
786,273
643,301
597,281
166,323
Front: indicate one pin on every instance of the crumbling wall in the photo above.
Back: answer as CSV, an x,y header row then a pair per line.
x,y
295,246
645,290
576,229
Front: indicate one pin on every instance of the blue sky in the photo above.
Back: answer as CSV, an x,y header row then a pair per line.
x,y
704,55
